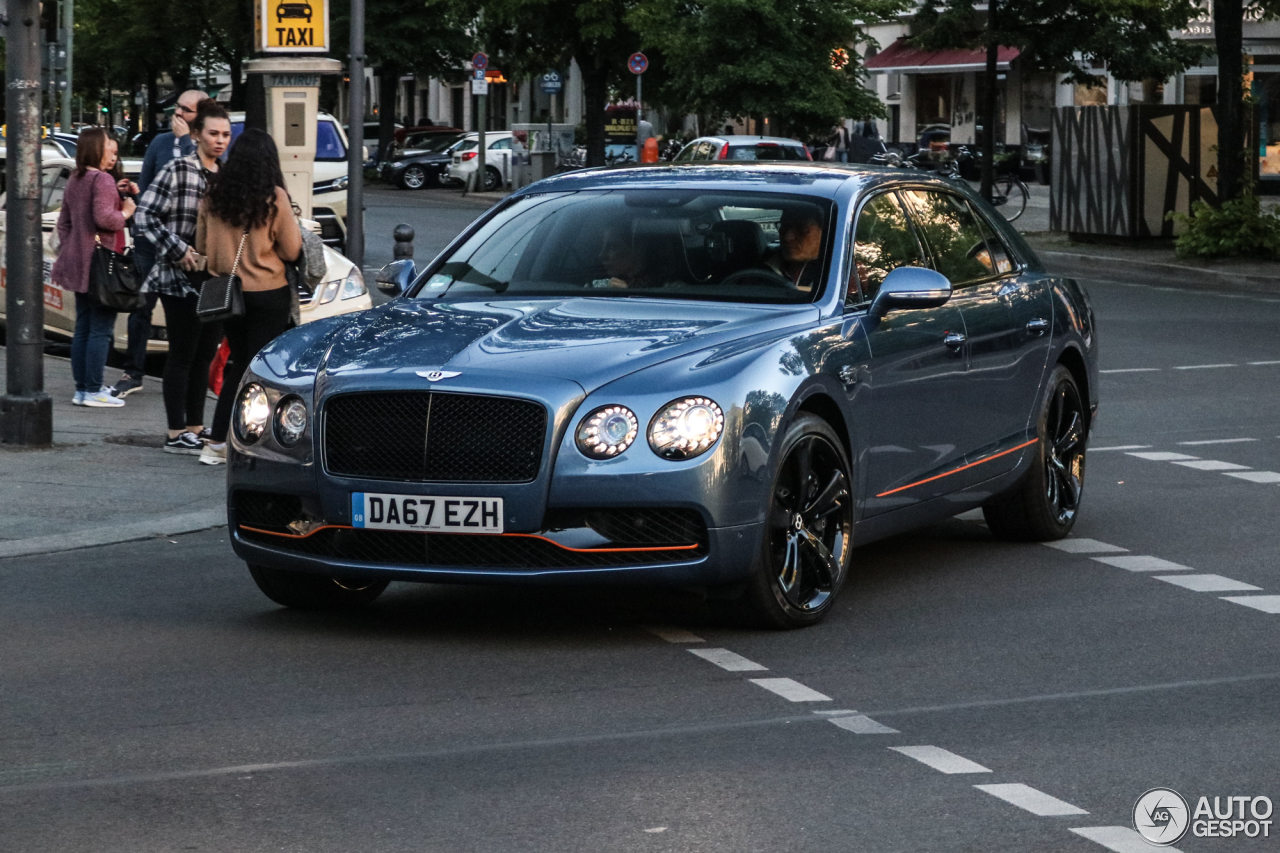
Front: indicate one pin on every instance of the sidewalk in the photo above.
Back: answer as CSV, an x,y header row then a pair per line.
x,y
1154,263
106,478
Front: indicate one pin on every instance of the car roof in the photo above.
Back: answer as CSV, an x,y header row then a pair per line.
x,y
816,178
735,139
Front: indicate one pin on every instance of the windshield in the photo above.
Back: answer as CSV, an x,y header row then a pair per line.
x,y
673,244
430,141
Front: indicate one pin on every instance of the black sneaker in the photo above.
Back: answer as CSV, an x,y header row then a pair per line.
x,y
184,443
126,386
204,435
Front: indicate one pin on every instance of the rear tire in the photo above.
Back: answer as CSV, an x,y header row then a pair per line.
x,y
1044,505
413,178
492,179
304,591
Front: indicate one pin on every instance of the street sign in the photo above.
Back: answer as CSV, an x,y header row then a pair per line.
x,y
480,61
552,83
285,26
478,74
638,63
480,86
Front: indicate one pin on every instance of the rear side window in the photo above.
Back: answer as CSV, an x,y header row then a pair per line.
x,y
998,258
951,230
882,241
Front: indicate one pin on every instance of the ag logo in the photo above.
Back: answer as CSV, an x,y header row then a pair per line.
x,y
1161,816
437,375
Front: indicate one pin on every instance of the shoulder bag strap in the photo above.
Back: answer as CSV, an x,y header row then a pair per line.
x,y
236,263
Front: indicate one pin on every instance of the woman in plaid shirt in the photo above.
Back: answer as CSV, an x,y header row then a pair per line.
x,y
167,217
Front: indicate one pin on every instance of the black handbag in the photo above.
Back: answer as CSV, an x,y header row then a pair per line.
x,y
222,297
113,279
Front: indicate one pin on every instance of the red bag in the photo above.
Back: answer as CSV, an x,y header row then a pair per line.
x,y
218,365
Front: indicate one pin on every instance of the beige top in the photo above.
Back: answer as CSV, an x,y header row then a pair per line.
x,y
261,267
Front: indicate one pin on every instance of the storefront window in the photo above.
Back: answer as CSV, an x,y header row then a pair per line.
x,y
1266,93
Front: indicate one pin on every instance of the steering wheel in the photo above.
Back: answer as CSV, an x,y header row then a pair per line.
x,y
758,275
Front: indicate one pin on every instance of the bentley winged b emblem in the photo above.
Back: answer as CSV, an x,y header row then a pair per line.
x,y
437,375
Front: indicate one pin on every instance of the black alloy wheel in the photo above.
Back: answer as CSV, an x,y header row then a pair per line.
x,y
492,179
304,591
413,178
1045,503
805,553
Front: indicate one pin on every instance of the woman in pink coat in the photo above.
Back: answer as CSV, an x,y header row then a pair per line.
x,y
91,207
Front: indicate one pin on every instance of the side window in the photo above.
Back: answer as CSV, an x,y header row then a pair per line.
x,y
55,182
953,235
704,151
882,241
998,259
501,145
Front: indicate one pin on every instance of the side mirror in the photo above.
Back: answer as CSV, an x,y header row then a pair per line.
x,y
395,278
911,287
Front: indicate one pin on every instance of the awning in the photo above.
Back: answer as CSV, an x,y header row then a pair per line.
x,y
906,58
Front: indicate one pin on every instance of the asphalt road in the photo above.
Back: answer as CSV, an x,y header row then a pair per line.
x,y
990,696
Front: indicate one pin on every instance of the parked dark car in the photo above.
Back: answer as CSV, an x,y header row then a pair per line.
x,y
422,161
710,376
740,148
403,132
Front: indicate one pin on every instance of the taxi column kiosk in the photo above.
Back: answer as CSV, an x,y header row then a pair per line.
x,y
292,95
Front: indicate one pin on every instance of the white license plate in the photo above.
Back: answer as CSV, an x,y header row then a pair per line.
x,y
438,514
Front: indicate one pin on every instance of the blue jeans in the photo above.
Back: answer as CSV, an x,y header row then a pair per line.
x,y
91,342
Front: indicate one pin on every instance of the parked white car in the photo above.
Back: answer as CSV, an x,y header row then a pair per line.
x,y
497,158
342,291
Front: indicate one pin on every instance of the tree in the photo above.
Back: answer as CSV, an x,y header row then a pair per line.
x,y
1133,37
773,58
532,36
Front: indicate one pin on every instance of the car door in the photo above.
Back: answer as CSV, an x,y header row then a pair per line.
x,y
913,372
1006,344
500,156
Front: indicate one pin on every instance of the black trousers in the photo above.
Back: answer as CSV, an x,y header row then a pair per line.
x,y
266,317
192,346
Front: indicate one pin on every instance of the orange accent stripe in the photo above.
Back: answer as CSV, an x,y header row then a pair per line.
x,y
524,535
957,470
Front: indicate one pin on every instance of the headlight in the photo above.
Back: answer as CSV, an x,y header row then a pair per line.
x,y
329,291
253,410
353,284
686,428
291,421
607,431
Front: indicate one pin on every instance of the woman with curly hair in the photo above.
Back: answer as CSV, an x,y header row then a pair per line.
x,y
247,213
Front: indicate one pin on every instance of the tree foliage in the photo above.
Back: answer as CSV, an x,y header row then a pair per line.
x,y
771,58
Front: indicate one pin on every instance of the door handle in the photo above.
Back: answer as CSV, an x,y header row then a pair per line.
x,y
954,340
1038,326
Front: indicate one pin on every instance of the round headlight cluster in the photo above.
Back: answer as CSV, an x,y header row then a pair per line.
x,y
291,421
607,431
686,428
253,410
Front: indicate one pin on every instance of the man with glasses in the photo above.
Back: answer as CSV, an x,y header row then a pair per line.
x,y
171,145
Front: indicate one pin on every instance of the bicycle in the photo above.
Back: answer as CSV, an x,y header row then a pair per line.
x,y
1009,194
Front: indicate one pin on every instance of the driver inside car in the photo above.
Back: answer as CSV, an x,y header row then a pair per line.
x,y
798,257
622,262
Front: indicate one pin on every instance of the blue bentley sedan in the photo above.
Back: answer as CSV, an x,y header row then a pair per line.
x,y
723,376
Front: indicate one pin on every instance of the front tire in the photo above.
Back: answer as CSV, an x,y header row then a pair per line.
x,y
492,179
414,178
805,551
1044,504
304,591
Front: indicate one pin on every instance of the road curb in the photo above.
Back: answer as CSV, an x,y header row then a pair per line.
x,y
1155,272
170,525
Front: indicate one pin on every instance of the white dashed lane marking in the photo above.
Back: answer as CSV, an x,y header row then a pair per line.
x,y
1203,366
1257,363
1026,797
1265,603
859,724
1213,465
1143,563
726,659
1218,441
1119,839
1208,583
791,690
675,635
940,759
1163,456
1256,476
1132,370
1119,447
1083,546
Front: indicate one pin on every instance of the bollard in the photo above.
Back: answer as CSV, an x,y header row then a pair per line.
x,y
404,242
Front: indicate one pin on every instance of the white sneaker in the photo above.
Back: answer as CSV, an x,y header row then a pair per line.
x,y
214,454
78,399
102,400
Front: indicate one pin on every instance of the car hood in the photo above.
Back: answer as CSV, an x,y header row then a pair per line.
x,y
584,340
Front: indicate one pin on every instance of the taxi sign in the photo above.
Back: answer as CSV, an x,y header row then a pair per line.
x,y
293,26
